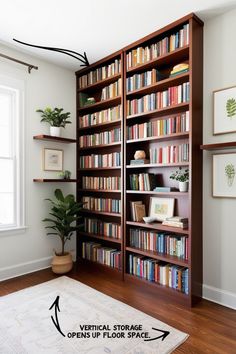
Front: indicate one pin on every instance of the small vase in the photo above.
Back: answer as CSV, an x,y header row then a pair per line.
x,y
55,131
183,186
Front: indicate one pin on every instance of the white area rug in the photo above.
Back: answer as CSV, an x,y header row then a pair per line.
x,y
26,325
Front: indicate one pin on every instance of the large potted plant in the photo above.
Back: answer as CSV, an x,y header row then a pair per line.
x,y
55,118
182,176
64,211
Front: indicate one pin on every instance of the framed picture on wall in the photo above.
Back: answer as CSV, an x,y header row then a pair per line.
x,y
52,159
161,208
224,179
224,110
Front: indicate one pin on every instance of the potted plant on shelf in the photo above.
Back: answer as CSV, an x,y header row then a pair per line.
x,y
64,211
182,176
55,118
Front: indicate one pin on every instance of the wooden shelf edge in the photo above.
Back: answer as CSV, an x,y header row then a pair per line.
x,y
99,168
117,143
159,226
100,212
100,83
113,122
100,190
161,137
99,266
159,111
54,138
172,193
219,146
100,237
148,165
115,100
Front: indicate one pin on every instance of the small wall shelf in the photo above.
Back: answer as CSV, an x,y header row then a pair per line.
x,y
54,138
46,180
219,146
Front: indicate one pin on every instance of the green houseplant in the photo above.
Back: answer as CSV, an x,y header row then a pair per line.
x,y
182,176
55,118
64,221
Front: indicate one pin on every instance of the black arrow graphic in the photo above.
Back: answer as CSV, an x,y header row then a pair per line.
x,y
163,336
71,53
56,322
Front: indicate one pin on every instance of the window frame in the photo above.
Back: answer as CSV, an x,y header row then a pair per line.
x,y
17,87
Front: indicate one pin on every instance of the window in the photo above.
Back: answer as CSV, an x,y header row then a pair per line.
x,y
11,154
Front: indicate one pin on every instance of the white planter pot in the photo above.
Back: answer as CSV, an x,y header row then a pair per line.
x,y
55,131
183,186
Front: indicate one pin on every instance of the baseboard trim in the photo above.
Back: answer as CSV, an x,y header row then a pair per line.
x,y
221,297
24,268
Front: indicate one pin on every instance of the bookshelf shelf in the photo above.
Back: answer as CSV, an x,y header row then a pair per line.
x,y
219,146
159,256
100,105
183,119
160,138
57,180
99,146
100,267
168,59
160,85
100,84
160,112
55,139
100,237
158,226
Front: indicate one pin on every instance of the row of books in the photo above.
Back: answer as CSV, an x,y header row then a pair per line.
x,y
175,277
111,91
160,242
138,81
158,100
100,73
105,160
143,181
102,204
138,210
168,44
109,183
170,154
172,125
106,137
104,116
95,252
102,228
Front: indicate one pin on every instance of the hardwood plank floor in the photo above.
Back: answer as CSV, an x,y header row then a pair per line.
x,y
212,328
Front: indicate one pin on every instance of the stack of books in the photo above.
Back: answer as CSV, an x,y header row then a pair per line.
x,y
179,69
138,211
143,181
104,255
106,137
102,228
139,162
176,221
104,116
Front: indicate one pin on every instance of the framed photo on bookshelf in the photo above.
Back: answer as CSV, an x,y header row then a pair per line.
x,y
161,208
224,110
224,179
52,159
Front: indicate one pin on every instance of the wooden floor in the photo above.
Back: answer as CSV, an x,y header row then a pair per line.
x,y
212,328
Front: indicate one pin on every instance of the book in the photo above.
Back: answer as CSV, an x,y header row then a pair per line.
x,y
139,162
140,212
163,189
176,221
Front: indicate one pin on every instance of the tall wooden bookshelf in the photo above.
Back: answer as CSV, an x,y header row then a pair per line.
x,y
188,204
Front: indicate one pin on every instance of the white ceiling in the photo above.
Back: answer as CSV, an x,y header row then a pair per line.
x,y
98,27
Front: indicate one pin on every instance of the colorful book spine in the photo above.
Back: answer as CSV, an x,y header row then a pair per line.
x,y
103,138
112,91
170,154
104,116
102,228
102,204
101,183
100,73
106,160
95,252
159,100
160,242
138,81
166,274
143,181
168,44
161,127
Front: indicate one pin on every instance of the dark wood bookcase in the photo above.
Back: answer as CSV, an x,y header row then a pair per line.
x,y
187,204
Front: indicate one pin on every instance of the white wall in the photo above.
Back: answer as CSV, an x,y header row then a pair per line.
x,y
219,214
49,86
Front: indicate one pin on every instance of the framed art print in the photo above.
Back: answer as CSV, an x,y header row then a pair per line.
x,y
161,208
224,179
52,159
224,110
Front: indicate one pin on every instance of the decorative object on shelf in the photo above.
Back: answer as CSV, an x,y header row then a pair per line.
x,y
138,210
65,174
149,219
90,100
176,221
55,118
71,53
140,155
179,69
65,212
161,208
224,170
224,110
182,176
52,159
